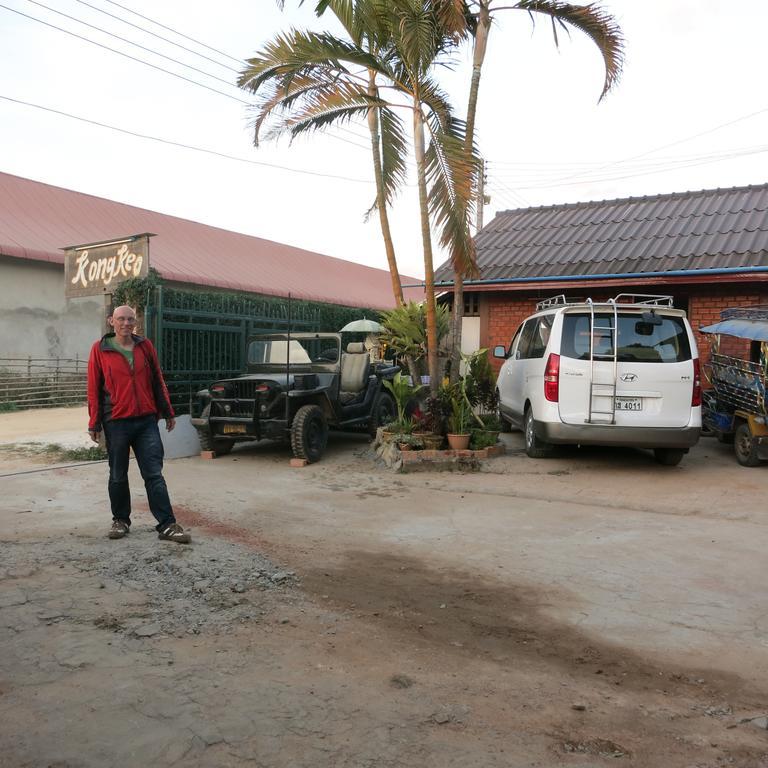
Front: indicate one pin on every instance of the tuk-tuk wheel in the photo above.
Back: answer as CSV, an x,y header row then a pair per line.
x,y
745,447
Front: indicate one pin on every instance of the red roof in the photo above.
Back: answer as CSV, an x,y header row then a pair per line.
x,y
37,220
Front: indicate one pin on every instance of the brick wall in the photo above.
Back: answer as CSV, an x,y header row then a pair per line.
x,y
505,313
704,308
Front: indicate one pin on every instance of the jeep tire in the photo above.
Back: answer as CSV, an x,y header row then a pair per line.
x,y
219,445
383,411
309,433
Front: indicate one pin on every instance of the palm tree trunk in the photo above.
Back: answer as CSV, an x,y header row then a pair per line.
x,y
478,57
429,271
373,126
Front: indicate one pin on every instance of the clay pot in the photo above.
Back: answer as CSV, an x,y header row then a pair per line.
x,y
458,442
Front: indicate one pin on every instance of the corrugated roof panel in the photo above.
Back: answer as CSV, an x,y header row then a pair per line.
x,y
691,230
37,220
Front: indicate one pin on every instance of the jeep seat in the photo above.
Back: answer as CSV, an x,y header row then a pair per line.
x,y
355,370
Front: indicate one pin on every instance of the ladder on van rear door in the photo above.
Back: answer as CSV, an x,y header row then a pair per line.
x,y
603,387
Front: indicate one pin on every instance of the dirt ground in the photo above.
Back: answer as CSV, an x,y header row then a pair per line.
x,y
591,610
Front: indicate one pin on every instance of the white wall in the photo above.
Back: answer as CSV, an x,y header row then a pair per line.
x,y
35,318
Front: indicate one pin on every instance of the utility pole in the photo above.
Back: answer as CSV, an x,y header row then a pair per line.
x,y
480,196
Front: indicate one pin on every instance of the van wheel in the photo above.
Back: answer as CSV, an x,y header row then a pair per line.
x,y
669,457
309,433
534,447
506,426
745,447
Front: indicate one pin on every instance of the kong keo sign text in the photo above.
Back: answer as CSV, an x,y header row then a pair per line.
x,y
98,267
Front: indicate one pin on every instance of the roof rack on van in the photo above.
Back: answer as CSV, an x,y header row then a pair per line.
x,y
552,301
622,298
642,298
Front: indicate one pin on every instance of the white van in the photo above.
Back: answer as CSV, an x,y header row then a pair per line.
x,y
622,372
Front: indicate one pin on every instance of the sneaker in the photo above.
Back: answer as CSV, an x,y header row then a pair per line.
x,y
174,532
119,529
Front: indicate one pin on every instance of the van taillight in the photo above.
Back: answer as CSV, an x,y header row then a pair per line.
x,y
552,378
696,395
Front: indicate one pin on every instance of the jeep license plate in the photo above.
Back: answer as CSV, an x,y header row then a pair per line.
x,y
629,404
234,429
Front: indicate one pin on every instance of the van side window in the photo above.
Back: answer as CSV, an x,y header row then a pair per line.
x,y
511,348
526,339
540,337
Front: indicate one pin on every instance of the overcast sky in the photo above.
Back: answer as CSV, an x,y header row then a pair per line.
x,y
690,112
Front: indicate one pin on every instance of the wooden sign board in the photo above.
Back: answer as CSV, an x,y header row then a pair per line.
x,y
96,268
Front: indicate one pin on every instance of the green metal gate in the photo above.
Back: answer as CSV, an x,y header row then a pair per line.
x,y
201,337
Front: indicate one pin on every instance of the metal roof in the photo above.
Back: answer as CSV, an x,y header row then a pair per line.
x,y
37,220
711,229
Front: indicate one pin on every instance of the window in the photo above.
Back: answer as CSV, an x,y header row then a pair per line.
x,y
640,340
540,336
471,305
526,339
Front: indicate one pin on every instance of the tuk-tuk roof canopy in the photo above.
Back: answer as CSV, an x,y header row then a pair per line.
x,y
756,330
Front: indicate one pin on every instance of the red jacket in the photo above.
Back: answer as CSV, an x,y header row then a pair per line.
x,y
117,392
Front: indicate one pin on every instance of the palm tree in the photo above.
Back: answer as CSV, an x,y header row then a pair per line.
x,y
590,19
294,64
308,81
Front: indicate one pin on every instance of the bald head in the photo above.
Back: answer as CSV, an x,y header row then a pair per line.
x,y
123,321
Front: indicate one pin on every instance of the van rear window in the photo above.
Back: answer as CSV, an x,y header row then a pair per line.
x,y
641,338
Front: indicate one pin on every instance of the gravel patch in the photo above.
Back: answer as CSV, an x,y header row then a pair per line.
x,y
211,585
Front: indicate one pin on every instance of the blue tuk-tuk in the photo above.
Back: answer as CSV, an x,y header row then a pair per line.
x,y
734,409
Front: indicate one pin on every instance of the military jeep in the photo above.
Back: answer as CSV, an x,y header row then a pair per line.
x,y
295,389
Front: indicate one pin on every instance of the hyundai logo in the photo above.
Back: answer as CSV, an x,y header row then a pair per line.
x,y
628,377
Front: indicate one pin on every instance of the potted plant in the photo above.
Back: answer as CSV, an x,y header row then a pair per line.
x,y
409,442
429,423
402,392
458,422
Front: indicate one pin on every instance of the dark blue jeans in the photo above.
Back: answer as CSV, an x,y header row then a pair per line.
x,y
141,434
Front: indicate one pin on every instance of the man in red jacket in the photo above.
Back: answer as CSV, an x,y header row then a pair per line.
x,y
126,397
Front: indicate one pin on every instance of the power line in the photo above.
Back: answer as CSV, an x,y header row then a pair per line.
x,y
130,42
549,175
175,32
121,53
160,37
155,66
675,143
184,146
647,172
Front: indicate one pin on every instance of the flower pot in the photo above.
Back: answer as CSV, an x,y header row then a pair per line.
x,y
458,442
432,442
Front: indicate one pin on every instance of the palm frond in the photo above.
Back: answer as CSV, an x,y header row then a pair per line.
x,y
394,148
452,177
591,19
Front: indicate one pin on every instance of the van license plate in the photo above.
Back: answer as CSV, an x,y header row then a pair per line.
x,y
234,429
629,404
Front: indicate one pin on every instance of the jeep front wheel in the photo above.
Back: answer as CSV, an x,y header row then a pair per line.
x,y
220,446
309,433
383,412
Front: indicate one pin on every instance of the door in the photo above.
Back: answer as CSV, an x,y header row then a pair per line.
x,y
654,369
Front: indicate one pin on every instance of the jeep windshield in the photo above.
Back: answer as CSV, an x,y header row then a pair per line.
x,y
272,351
640,339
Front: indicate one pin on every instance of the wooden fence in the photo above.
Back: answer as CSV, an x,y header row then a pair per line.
x,y
29,382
